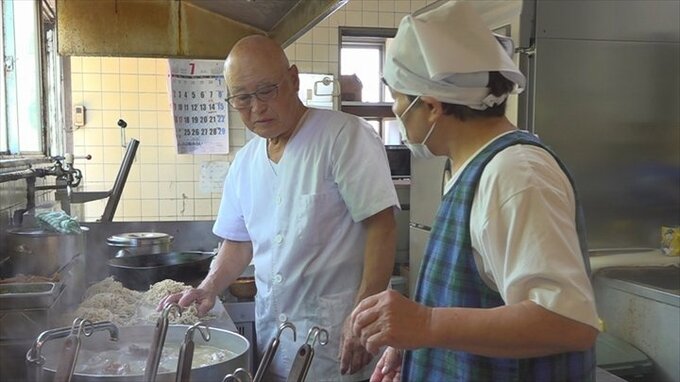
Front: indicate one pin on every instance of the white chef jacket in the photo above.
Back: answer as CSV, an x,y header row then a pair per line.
x,y
303,217
523,231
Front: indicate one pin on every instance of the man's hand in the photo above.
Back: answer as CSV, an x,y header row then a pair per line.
x,y
388,368
353,356
390,319
204,298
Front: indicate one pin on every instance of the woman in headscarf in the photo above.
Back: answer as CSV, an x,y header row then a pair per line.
x,y
504,291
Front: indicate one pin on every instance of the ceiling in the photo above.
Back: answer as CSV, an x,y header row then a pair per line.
x,y
180,28
262,14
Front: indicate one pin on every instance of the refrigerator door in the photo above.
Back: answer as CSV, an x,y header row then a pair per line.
x,y
426,189
418,239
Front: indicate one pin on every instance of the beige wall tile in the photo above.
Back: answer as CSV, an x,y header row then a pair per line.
x,y
129,83
93,118
167,207
167,154
147,65
91,65
203,207
149,139
129,65
166,137
111,65
111,101
77,82
132,209
149,176
147,101
95,172
150,189
132,190
147,83
166,189
129,101
111,136
92,82
369,19
185,172
92,100
93,137
76,64
148,154
150,209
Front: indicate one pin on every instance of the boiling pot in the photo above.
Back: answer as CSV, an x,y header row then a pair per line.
x,y
139,272
99,341
35,251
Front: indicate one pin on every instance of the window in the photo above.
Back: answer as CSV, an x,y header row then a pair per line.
x,y
362,53
21,94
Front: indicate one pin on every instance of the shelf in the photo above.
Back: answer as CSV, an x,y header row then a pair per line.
x,y
368,109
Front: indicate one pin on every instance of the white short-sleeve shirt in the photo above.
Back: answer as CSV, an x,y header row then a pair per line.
x,y
303,217
523,231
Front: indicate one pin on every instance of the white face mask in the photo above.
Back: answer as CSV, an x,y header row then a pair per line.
x,y
419,150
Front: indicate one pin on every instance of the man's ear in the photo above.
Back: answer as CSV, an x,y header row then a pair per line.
x,y
436,108
295,76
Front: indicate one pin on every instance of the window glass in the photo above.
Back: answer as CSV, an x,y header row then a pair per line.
x,y
27,69
375,124
391,135
22,130
365,63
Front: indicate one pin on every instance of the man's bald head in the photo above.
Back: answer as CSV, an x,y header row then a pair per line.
x,y
256,52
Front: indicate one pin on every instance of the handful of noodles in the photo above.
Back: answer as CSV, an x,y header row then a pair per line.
x,y
109,300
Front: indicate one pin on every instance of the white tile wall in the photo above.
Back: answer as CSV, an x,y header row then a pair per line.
x,y
162,184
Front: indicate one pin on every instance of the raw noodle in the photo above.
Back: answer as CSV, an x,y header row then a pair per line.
x,y
108,300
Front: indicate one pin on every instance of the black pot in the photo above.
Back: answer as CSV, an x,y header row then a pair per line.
x,y
139,272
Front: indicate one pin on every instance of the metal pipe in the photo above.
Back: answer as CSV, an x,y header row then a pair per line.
x,y
17,175
119,184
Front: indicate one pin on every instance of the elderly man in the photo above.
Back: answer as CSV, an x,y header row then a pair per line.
x,y
310,202
503,292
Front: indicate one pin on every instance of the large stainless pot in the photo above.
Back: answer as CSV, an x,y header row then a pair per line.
x,y
99,341
140,243
34,251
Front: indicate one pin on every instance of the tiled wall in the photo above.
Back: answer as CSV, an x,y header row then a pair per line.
x,y
163,185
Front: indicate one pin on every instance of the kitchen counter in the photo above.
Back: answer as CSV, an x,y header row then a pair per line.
x,y
603,375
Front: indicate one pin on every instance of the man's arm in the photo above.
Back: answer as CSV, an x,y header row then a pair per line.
x,y
230,262
379,251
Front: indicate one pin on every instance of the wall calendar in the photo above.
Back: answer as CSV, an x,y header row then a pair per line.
x,y
199,110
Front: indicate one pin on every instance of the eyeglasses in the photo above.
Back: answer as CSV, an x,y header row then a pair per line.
x,y
263,94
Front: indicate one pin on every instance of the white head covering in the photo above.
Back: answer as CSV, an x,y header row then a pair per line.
x,y
447,53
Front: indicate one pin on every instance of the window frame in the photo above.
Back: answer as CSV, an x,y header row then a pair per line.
x,y
12,154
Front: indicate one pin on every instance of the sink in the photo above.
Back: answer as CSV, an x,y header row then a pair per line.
x,y
665,278
641,306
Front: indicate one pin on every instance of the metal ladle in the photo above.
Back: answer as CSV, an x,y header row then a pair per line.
x,y
271,351
303,358
186,351
69,354
154,358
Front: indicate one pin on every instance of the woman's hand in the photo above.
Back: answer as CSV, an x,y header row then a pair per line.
x,y
390,319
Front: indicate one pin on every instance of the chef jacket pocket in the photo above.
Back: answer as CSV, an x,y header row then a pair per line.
x,y
333,309
318,217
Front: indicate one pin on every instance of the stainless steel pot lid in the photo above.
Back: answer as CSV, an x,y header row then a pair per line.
x,y
137,239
